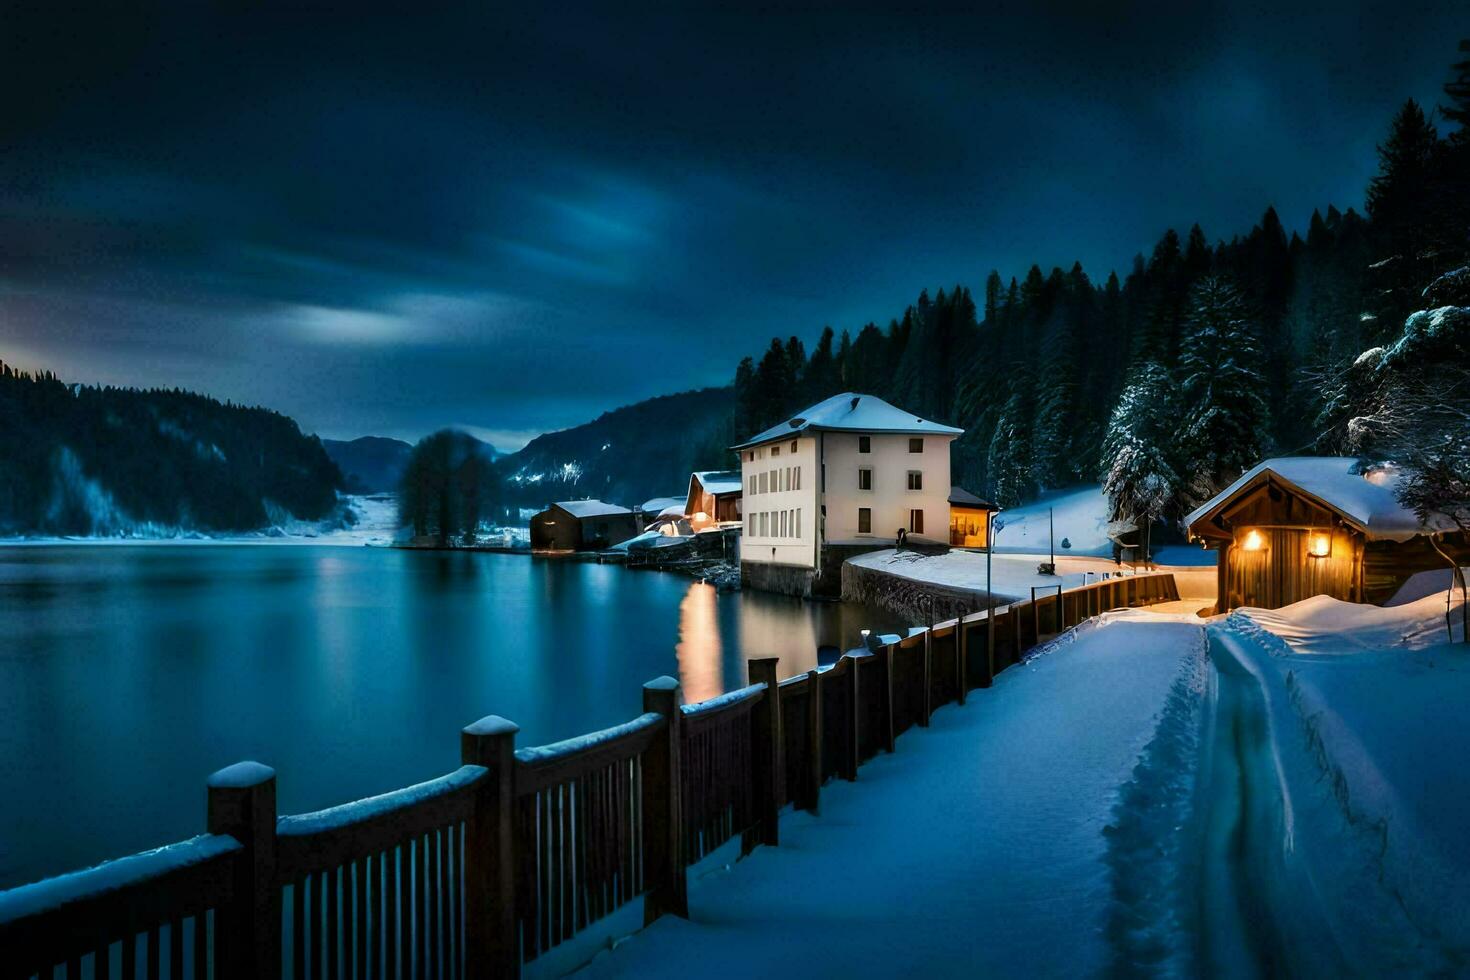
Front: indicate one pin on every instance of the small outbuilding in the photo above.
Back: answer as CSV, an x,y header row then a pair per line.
x,y
582,525
1300,526
714,498
969,519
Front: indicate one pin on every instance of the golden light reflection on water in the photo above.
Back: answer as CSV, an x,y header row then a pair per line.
x,y
699,649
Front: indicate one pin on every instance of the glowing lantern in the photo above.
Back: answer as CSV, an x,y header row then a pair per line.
x,y
1319,544
1254,541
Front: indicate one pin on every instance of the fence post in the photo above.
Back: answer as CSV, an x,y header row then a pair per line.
x,y
854,705
242,804
663,819
927,709
961,658
767,769
814,740
886,655
492,942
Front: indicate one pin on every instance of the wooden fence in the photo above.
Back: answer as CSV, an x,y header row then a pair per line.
x,y
488,867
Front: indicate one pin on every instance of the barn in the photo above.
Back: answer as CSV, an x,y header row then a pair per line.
x,y
582,525
1300,526
714,498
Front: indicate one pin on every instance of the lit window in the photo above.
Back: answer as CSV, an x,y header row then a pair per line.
x,y
865,479
916,480
1254,541
916,445
1319,545
916,522
865,520
865,444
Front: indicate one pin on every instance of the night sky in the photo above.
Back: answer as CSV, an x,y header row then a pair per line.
x,y
388,224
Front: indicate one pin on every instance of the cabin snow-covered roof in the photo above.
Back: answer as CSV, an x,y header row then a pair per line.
x,y
1364,497
719,482
852,412
960,497
590,508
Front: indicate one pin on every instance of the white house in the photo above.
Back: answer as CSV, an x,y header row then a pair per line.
x,y
844,476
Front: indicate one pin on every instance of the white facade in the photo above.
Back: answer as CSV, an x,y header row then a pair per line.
x,y
781,500
810,486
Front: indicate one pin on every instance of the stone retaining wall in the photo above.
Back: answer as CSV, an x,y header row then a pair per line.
x,y
920,602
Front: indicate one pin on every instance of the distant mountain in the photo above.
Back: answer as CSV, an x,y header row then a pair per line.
x,y
372,464
80,460
625,456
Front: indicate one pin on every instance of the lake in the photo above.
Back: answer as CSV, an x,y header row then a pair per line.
x,y
129,673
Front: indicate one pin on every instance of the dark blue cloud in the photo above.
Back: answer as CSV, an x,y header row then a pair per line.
x,y
385,223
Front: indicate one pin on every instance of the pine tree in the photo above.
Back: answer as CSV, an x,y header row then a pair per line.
x,y
1224,421
1140,480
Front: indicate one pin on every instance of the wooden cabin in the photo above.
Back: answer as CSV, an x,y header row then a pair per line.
x,y
969,519
714,498
582,525
1301,526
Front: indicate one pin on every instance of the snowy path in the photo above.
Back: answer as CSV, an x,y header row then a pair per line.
x,y
979,848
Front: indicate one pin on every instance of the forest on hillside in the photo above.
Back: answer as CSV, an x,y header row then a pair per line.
x,y
1202,358
86,460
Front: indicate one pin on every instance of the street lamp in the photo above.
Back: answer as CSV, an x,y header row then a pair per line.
x,y
996,526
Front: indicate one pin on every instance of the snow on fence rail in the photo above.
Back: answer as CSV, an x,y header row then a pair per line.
x,y
488,867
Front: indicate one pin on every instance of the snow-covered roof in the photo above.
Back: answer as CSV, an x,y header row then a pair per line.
x,y
657,505
1365,499
852,412
590,508
719,481
961,497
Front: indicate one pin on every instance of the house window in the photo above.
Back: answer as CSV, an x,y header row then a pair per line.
x,y
865,444
775,450
765,523
916,522
916,445
793,445
783,525
916,480
750,456
796,477
798,522
865,478
865,520
762,483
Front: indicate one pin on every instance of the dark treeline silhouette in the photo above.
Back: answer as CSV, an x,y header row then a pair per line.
x,y
77,459
1167,381
448,488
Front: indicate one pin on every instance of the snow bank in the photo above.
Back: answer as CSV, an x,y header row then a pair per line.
x,y
1324,625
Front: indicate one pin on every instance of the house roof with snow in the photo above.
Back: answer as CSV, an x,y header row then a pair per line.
x,y
960,497
590,508
1363,498
658,504
718,482
852,412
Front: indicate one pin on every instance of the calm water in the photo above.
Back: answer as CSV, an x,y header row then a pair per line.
x,y
129,673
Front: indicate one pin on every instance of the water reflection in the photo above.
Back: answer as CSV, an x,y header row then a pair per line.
x,y
350,671
700,659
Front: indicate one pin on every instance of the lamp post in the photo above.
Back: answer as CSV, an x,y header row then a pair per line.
x,y
995,528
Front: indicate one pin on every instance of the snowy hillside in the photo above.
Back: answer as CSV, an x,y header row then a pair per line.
x,y
625,456
1081,520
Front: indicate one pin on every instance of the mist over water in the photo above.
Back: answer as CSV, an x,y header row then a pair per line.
x,y
129,673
